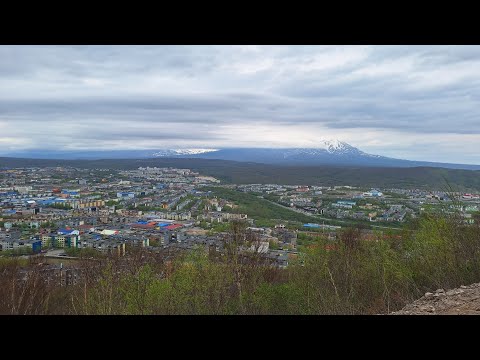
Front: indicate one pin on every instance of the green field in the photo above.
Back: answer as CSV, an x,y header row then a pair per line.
x,y
264,212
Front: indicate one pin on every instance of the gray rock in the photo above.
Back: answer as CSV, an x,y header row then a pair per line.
x,y
454,292
462,300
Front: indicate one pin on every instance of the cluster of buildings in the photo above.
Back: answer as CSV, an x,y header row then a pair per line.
x,y
157,208
42,209
373,205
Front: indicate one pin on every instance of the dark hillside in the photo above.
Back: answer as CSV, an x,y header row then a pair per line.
x,y
242,172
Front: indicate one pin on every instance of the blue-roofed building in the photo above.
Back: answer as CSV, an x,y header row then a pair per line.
x,y
8,193
344,204
125,195
309,225
68,232
71,193
373,192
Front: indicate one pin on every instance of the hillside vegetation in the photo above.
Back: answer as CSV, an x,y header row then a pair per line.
x,y
264,212
244,173
347,276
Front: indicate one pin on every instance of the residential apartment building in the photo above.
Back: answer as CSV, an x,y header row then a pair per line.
x,y
60,240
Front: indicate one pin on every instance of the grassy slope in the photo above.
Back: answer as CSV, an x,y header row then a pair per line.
x,y
259,209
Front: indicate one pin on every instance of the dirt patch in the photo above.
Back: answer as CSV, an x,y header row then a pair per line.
x,y
464,300
196,231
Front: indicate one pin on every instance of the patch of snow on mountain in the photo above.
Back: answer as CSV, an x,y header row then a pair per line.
x,y
323,146
173,152
193,151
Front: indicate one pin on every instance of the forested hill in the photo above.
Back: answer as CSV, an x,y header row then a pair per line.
x,y
243,172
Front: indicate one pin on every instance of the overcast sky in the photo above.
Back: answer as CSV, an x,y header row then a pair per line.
x,y
411,102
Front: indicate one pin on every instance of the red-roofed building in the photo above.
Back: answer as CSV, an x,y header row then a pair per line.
x,y
143,226
86,227
172,227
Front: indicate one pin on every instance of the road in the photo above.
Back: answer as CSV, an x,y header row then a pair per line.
x,y
291,209
57,254
316,217
54,252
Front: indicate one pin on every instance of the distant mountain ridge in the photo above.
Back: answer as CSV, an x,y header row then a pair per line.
x,y
235,172
326,152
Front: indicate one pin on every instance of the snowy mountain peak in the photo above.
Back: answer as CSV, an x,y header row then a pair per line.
x,y
322,152
330,146
333,145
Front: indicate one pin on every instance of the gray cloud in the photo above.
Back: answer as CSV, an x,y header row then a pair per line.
x,y
404,99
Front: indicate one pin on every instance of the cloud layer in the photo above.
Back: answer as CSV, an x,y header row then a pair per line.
x,y
414,102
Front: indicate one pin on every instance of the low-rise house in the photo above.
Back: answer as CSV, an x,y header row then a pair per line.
x,y
15,244
373,193
108,246
130,195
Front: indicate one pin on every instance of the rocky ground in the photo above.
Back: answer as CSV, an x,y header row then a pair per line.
x,y
461,301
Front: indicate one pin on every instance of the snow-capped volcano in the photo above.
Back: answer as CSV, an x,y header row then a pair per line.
x,y
336,147
331,145
326,151
322,146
